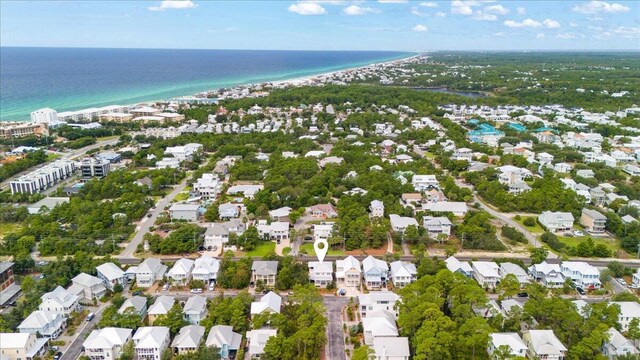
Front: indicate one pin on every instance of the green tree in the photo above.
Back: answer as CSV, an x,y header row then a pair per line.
x,y
508,286
363,353
128,351
538,255
173,319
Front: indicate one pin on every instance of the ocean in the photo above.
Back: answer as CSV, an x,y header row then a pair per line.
x,y
67,79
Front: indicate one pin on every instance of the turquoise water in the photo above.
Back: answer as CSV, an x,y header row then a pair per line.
x,y
68,79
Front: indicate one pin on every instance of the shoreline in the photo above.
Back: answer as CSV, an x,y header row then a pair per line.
x,y
293,81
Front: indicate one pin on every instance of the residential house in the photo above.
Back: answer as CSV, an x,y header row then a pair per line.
x,y
323,211
348,272
403,273
87,287
632,170
195,309
265,272
401,223
187,212
150,271
635,280
136,304
206,269
248,191
458,209
150,342
378,300
269,303
188,339
106,343
376,209
281,214
257,339
598,196
228,211
593,221
582,274
277,230
424,182
161,306
391,348
550,275
322,231
511,341
375,272
437,227
217,234
111,275
411,199
19,346
207,186
585,173
617,345
378,323
462,267
224,338
543,344
507,268
486,273
44,323
320,273
629,310
59,301
556,221
180,273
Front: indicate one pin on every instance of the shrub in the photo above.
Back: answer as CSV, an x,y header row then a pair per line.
x,y
530,222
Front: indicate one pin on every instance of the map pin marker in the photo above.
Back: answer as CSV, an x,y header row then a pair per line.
x,y
321,252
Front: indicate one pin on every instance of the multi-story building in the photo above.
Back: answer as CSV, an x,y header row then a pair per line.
x,y
43,178
265,272
60,301
348,272
22,346
45,115
582,274
593,221
87,287
378,300
149,271
403,273
47,324
21,129
207,186
107,343
320,273
111,274
94,167
151,341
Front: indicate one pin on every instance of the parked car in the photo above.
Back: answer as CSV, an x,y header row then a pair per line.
x,y
580,290
578,233
212,286
196,291
165,287
136,293
149,215
57,356
621,281
90,316
523,294
342,292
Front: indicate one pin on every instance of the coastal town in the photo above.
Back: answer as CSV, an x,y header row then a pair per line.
x,y
463,222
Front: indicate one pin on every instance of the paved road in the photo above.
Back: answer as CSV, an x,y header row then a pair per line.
x,y
75,348
147,222
335,339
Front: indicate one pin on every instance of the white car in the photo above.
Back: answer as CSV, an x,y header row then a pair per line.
x,y
578,233
196,291
165,287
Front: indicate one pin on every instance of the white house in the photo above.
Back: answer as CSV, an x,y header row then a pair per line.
x,y
265,272
636,279
188,339
550,275
59,301
150,342
378,300
47,324
512,341
348,272
582,274
224,338
556,221
543,344
207,186
320,273
322,231
137,304
424,182
106,343
391,348
111,275
257,339
457,208
187,212
87,287
217,234
629,310
486,273
401,223
180,273
618,345
376,208
269,303
455,265
149,271
403,273
507,268
18,346
437,226
206,269
375,272
379,323
277,230
195,309
161,306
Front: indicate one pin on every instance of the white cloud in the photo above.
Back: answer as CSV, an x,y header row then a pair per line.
x,y
521,10
551,24
627,32
358,10
462,7
524,23
393,1
420,28
173,4
482,16
572,24
599,7
566,36
497,9
498,34
539,36
440,14
429,4
307,8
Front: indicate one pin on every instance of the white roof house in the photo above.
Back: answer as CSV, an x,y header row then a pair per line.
x,y
188,339
543,344
151,341
320,272
149,271
379,323
348,271
195,309
455,265
629,310
161,306
550,275
423,182
271,302
378,300
206,269
582,274
111,275
486,273
618,345
507,268
47,324
556,221
106,342
137,303
59,301
257,340
401,223
180,273
403,273
513,341
457,208
391,348
224,338
14,346
375,272
87,287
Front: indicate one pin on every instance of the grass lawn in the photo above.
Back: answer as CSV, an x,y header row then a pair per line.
x,y
534,229
182,196
264,248
52,156
308,249
612,244
103,138
6,228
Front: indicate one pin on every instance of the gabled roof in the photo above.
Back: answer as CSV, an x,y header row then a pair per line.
x,y
510,339
453,264
110,270
391,347
370,263
149,265
349,263
61,296
545,342
189,337
271,301
486,268
375,297
220,335
265,267
181,267
87,280
162,305
618,341
195,305
38,319
150,337
107,338
401,268
137,302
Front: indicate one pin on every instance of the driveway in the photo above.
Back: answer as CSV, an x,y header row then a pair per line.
x,y
74,350
334,349
147,222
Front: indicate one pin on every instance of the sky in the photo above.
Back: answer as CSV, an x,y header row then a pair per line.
x,y
394,25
